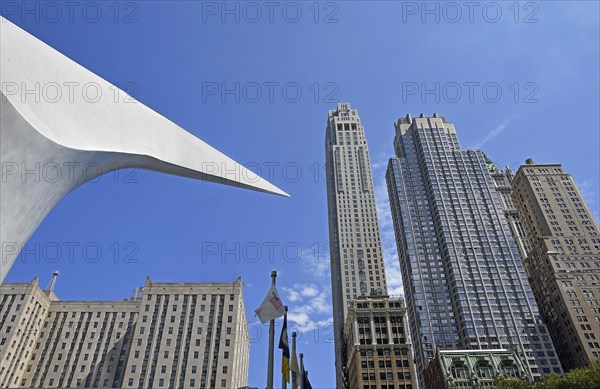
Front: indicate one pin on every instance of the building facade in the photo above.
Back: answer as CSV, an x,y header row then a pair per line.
x,y
357,267
468,369
564,261
172,335
503,185
378,353
463,277
23,311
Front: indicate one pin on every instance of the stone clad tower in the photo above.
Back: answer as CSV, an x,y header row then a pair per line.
x,y
357,267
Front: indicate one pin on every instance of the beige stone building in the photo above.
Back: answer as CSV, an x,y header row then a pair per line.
x,y
171,335
378,354
564,261
23,311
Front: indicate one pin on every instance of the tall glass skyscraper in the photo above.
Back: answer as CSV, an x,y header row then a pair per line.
x,y
464,281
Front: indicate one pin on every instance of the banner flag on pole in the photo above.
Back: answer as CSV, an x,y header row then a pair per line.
x,y
285,351
294,366
271,308
307,384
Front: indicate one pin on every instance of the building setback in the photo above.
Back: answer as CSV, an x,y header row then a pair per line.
x,y
463,277
564,261
357,266
172,335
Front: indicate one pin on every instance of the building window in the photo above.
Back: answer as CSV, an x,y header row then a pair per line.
x,y
459,371
483,370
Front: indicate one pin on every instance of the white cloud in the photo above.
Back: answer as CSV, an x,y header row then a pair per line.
x,y
300,318
388,239
308,304
380,162
309,331
293,296
315,261
309,291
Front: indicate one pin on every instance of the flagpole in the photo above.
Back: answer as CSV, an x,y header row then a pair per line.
x,y
271,341
301,371
283,381
294,382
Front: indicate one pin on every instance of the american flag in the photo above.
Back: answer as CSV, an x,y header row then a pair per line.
x,y
276,301
271,307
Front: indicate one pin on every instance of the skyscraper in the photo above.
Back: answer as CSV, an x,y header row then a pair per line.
x,y
355,243
564,261
463,277
172,335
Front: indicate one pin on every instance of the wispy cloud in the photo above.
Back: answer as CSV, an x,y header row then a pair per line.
x,y
315,261
388,240
309,305
379,163
492,134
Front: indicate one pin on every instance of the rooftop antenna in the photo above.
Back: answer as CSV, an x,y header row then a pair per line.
x,y
52,283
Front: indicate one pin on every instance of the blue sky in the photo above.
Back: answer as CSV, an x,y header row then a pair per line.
x,y
535,87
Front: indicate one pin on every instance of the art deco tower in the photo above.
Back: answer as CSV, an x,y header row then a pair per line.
x,y
464,280
357,267
564,261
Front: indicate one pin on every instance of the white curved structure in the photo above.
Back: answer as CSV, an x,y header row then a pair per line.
x,y
61,126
